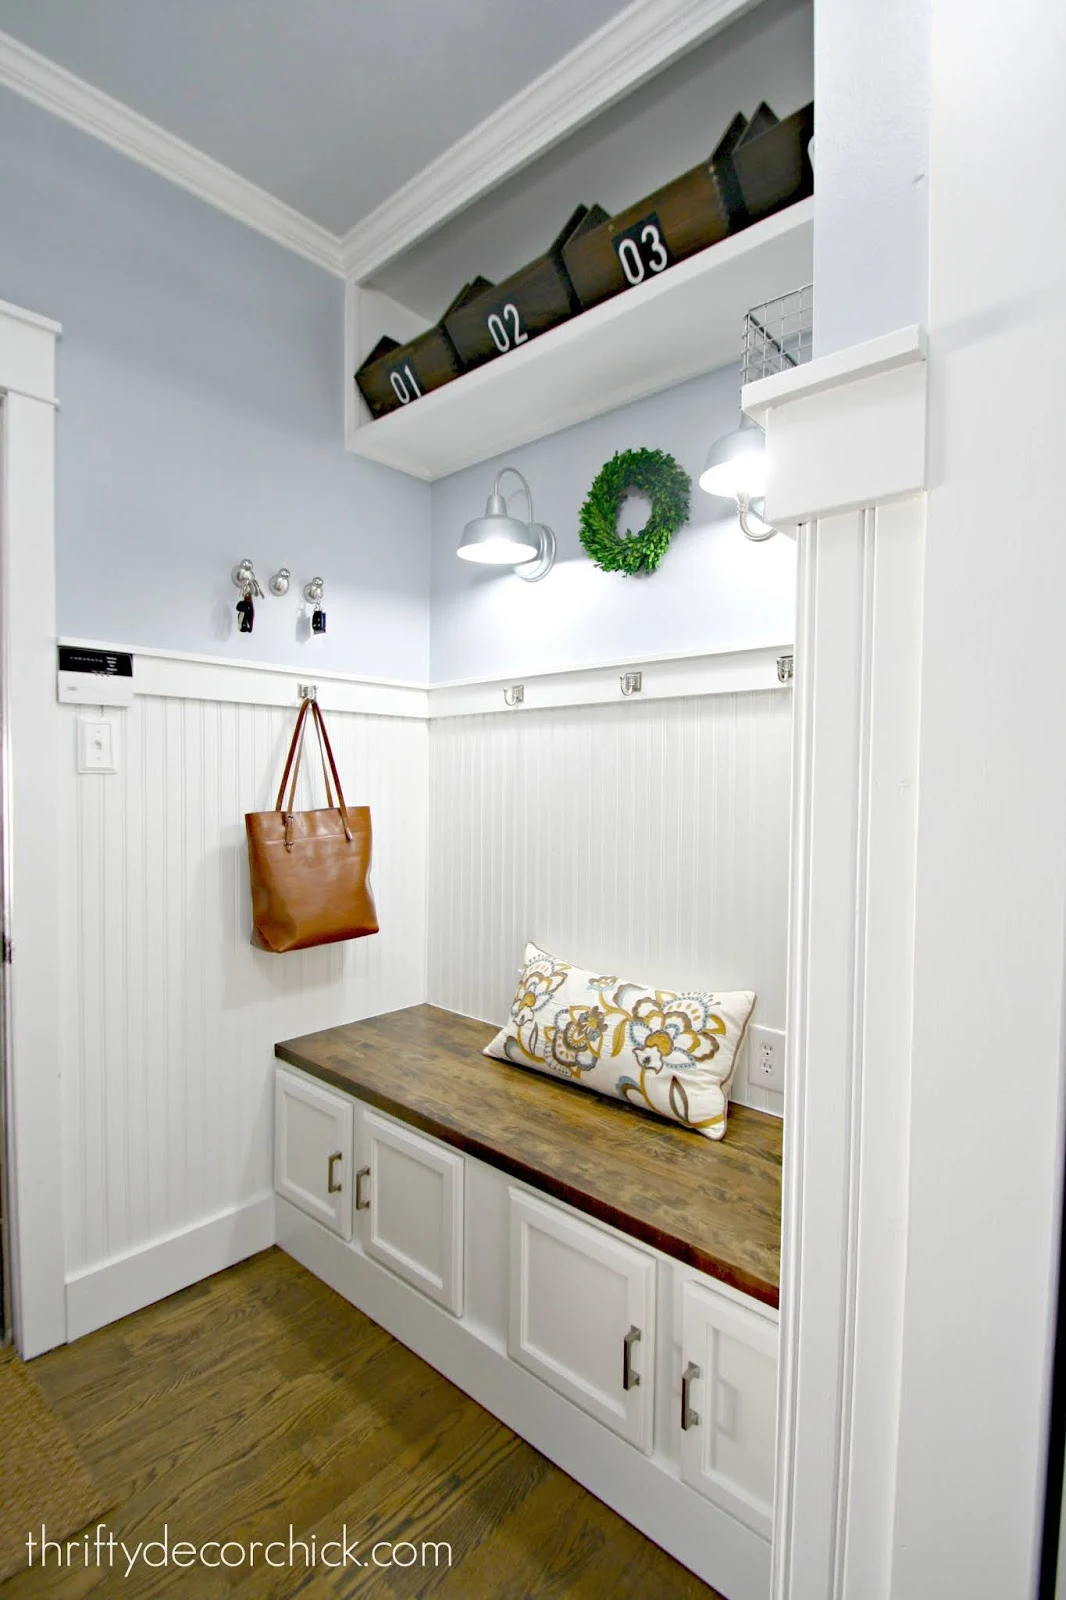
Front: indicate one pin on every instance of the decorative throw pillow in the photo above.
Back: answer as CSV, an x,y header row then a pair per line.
x,y
673,1054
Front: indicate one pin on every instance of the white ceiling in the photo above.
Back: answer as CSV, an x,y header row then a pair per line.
x,y
330,105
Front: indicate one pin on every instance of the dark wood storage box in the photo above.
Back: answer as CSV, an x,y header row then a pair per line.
x,y
758,166
395,374
537,297
768,167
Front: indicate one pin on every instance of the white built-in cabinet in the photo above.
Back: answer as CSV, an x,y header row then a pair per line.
x,y
727,1410
675,1374
313,1150
582,1314
409,1205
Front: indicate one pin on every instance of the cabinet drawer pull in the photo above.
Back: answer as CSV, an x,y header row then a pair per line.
x,y
332,1186
360,1203
689,1417
630,1379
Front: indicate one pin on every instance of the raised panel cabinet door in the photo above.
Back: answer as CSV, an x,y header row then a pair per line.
x,y
582,1314
313,1150
409,1194
727,1406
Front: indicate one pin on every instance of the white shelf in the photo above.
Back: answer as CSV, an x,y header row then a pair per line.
x,y
685,322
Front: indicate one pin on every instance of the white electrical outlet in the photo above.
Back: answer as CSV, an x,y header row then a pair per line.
x,y
766,1058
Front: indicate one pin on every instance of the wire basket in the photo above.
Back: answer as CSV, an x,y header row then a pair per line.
x,y
777,335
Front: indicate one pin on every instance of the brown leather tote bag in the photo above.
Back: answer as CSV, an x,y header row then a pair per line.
x,y
309,869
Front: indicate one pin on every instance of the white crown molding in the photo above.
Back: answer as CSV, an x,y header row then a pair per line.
x,y
629,49
92,111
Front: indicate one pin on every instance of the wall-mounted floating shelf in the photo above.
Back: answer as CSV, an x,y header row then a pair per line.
x,y
686,322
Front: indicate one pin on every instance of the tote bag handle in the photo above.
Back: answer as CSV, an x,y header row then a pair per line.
x,y
326,751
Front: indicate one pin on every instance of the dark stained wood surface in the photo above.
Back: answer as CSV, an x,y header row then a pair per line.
x,y
713,1204
260,1400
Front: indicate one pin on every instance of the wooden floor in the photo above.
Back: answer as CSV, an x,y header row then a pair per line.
x,y
260,1399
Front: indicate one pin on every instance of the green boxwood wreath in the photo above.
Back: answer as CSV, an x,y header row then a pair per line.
x,y
667,485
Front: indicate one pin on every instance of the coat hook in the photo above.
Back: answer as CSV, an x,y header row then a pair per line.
x,y
632,682
307,691
515,695
784,669
245,579
279,583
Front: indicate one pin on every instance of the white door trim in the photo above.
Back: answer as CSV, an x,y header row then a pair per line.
x,y
846,443
31,818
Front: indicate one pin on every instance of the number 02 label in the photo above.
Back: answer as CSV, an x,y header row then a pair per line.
x,y
641,249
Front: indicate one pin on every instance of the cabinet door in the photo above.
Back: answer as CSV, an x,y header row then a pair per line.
x,y
313,1150
582,1315
410,1192
728,1403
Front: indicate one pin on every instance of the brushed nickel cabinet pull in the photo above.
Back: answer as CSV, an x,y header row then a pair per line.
x,y
689,1417
360,1203
332,1186
630,1379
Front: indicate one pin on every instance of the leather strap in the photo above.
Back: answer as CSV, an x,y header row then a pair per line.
x,y
295,755
324,736
296,771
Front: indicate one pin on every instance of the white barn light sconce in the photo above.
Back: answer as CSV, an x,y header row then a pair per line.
x,y
735,470
499,540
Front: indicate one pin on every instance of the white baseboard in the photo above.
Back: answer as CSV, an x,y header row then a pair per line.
x,y
707,1540
111,1289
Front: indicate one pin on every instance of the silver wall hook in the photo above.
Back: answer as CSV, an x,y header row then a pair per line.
x,y
515,695
314,591
631,682
279,583
245,579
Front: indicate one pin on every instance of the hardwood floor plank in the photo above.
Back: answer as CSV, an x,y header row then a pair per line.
x,y
261,1399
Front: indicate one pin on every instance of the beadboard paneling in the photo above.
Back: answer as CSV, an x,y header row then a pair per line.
x,y
168,1014
649,839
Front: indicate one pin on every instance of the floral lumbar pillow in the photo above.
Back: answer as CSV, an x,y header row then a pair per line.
x,y
672,1053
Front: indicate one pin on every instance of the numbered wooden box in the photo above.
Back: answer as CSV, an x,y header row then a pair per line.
x,y
394,375
504,316
642,241
758,166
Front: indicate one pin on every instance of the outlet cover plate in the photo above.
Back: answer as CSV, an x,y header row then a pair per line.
x,y
97,745
766,1058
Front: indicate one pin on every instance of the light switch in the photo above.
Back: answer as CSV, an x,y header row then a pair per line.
x,y
97,745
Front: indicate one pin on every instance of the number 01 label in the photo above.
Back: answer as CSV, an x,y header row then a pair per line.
x,y
641,249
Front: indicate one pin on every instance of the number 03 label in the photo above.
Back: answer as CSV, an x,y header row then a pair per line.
x,y
641,249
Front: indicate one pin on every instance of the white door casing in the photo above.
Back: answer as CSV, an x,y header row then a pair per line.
x,y
30,760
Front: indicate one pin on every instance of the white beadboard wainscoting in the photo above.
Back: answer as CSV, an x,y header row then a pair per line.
x,y
649,839
168,1015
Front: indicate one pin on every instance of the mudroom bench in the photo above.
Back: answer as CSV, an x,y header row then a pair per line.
x,y
603,1282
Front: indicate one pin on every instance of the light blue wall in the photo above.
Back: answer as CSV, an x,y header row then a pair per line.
x,y
200,375
713,591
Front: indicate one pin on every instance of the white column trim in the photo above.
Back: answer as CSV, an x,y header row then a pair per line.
x,y
30,724
851,932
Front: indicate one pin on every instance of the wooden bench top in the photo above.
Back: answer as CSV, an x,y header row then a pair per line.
x,y
713,1204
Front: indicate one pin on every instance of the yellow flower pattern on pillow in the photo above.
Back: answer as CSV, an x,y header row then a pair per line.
x,y
668,1052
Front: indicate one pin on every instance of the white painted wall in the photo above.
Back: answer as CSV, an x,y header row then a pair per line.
x,y
871,233
713,591
168,1015
648,839
986,1127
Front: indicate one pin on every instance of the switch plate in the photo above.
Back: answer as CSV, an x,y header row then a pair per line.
x,y
766,1058
97,745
